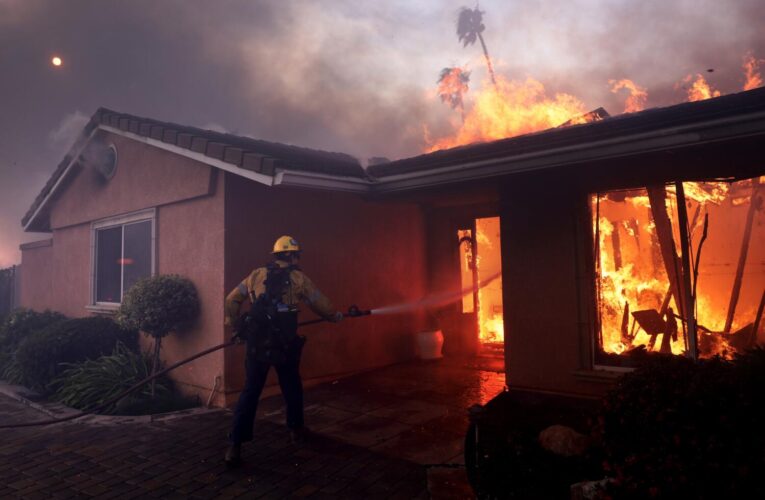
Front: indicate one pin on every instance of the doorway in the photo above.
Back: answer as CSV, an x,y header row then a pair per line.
x,y
481,276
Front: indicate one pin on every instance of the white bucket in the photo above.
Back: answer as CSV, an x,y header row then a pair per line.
x,y
429,344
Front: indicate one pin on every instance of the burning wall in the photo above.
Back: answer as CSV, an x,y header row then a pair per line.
x,y
639,271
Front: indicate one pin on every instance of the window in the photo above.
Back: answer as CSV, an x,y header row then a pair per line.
x,y
640,278
123,253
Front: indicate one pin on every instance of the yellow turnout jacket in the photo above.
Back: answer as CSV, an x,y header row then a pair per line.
x,y
302,289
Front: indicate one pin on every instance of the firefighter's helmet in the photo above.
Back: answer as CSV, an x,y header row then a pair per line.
x,y
286,244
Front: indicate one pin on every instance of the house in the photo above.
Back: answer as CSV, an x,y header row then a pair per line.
x,y
559,251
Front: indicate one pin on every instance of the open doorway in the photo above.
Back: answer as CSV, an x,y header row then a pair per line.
x,y
481,276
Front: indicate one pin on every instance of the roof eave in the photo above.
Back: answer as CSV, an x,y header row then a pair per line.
x,y
657,140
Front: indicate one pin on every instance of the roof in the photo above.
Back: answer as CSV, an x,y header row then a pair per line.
x,y
241,153
686,116
681,125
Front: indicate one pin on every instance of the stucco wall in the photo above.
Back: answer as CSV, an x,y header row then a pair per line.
x,y
145,177
36,278
190,243
356,251
544,296
188,197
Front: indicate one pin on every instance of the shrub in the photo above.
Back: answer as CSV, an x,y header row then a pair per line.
x,y
20,324
39,357
159,305
685,429
93,382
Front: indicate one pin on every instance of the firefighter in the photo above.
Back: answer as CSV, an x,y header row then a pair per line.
x,y
270,331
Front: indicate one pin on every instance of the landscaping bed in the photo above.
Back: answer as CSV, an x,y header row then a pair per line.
x,y
82,363
673,428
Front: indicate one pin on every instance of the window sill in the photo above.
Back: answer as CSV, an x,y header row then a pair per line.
x,y
600,375
107,310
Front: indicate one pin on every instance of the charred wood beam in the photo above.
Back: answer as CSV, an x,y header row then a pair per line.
x,y
736,291
698,254
685,250
657,196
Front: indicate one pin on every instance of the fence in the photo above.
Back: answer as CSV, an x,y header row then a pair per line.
x,y
9,278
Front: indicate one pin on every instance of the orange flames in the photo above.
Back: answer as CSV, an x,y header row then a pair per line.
x,y
453,85
699,89
633,276
491,327
512,108
637,98
751,69
481,272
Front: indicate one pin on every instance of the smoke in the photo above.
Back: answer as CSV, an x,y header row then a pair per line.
x,y
62,137
347,76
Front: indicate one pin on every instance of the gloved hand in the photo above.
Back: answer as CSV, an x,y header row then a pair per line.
x,y
337,318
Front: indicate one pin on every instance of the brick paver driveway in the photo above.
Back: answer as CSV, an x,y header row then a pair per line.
x,y
383,434
181,457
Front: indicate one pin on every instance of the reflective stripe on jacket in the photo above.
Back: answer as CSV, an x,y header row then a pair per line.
x,y
302,289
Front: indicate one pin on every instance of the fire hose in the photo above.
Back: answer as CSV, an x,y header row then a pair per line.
x,y
353,312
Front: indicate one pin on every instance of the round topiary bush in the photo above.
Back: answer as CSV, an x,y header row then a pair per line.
x,y
677,428
39,357
159,305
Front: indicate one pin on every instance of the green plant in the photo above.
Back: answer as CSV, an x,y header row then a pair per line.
x,y
159,305
17,326
677,428
39,357
91,383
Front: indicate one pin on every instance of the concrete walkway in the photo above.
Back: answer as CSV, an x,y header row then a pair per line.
x,y
392,433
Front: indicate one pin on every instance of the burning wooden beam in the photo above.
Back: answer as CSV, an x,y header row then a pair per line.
x,y
657,196
685,249
735,292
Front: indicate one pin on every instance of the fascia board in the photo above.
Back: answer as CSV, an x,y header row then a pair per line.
x,y
315,180
706,132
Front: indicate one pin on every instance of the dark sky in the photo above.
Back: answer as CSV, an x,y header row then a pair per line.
x,y
351,76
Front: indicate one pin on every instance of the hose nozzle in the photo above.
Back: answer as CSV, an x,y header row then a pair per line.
x,y
355,312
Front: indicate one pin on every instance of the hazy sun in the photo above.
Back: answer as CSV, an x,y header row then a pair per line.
x,y
56,61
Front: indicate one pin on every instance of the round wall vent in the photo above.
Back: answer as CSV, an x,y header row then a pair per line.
x,y
107,163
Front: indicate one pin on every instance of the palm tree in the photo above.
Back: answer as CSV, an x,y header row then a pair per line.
x,y
452,85
469,28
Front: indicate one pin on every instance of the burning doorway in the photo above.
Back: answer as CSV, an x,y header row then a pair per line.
x,y
699,292
481,273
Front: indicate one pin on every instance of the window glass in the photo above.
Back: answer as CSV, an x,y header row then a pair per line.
x,y
136,260
108,269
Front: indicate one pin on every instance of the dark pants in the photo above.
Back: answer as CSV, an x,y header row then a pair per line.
x,y
289,381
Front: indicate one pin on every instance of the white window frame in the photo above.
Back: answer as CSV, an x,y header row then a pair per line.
x,y
118,221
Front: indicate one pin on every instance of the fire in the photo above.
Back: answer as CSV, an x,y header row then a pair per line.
x,y
638,95
491,327
509,109
699,88
751,69
633,278
453,85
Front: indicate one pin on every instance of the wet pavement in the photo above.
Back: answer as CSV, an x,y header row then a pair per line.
x,y
396,432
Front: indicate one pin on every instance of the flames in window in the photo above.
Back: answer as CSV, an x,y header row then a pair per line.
x,y
641,285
